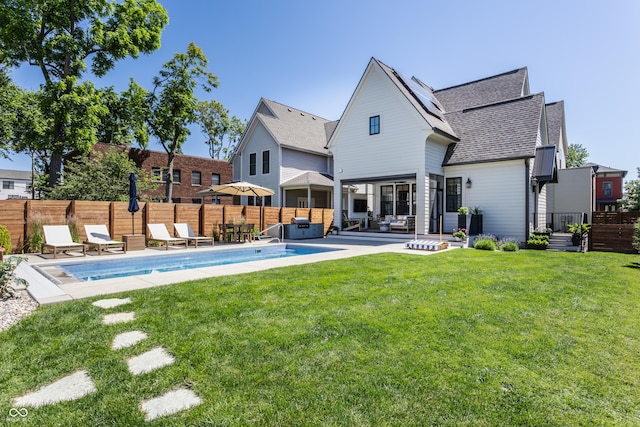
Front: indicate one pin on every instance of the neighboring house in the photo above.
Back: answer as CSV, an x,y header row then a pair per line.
x,y
609,187
190,174
284,149
15,184
426,152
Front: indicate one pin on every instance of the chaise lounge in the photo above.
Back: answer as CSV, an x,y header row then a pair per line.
x,y
98,237
159,233
58,239
184,231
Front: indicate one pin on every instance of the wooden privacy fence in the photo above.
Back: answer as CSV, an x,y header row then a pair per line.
x,y
613,232
19,216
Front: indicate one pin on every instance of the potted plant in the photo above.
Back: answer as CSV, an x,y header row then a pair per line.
x,y
578,231
460,234
538,241
462,217
475,227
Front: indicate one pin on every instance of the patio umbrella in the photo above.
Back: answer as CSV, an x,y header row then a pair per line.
x,y
241,188
133,203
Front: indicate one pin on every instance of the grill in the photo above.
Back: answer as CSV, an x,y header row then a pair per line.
x,y
300,222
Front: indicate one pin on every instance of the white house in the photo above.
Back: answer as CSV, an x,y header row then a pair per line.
x,y
425,153
15,184
284,149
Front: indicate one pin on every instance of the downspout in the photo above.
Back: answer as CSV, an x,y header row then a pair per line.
x,y
527,202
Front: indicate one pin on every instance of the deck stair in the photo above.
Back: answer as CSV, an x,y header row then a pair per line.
x,y
561,242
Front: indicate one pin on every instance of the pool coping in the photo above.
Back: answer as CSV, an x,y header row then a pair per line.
x,y
46,292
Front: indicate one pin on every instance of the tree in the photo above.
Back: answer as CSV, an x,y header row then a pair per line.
x,y
124,122
577,156
172,103
59,37
630,202
221,132
104,177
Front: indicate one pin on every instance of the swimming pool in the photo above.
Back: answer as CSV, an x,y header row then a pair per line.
x,y
125,267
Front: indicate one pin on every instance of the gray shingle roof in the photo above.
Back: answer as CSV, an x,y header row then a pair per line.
x,y
509,85
15,174
555,121
501,131
309,178
295,128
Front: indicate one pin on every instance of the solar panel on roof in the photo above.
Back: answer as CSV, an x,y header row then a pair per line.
x,y
424,96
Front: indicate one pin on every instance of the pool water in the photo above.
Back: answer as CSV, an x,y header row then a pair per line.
x,y
125,267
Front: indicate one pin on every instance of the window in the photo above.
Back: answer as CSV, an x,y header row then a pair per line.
x,y
402,199
374,125
359,205
197,201
157,174
454,194
607,188
252,164
196,178
386,204
265,162
7,185
215,178
176,176
176,200
267,200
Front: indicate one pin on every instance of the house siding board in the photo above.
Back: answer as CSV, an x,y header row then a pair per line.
x,y
296,162
260,141
503,216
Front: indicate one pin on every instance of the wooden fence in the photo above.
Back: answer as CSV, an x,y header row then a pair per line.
x,y
19,216
613,232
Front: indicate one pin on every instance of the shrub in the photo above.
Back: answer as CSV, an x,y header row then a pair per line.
x,y
486,242
538,241
508,245
636,235
8,277
36,236
5,239
72,222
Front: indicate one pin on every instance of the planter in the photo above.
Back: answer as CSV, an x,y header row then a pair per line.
x,y
462,221
475,227
536,247
576,239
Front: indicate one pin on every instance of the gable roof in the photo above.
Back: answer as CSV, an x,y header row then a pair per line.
x,y
509,85
502,131
556,123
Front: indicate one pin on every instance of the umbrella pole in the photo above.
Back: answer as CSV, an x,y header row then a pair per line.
x,y
132,224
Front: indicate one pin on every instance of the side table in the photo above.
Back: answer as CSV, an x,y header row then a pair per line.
x,y
134,242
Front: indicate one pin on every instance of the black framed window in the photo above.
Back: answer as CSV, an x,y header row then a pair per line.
x,y
402,199
386,202
374,125
7,185
454,194
215,178
176,176
252,164
607,188
266,164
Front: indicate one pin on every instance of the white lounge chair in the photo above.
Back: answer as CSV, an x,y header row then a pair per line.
x,y
98,237
184,231
159,233
58,239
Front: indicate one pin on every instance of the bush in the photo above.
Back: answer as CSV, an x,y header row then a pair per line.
x,y
538,241
36,236
509,245
8,277
636,235
486,242
5,239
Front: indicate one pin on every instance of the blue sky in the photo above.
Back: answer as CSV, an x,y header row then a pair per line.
x,y
311,55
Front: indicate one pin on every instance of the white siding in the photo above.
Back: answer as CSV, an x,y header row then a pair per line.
x,y
498,189
260,140
296,162
572,193
21,189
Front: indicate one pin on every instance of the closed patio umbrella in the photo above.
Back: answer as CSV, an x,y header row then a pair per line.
x,y
133,203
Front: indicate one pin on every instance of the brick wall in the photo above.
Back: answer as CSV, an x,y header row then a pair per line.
x,y
183,191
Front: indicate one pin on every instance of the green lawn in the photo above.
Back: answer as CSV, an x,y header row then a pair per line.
x,y
462,338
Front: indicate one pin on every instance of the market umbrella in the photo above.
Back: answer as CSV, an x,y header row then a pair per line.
x,y
241,188
133,203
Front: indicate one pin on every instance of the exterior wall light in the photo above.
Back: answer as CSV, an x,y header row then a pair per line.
x,y
468,182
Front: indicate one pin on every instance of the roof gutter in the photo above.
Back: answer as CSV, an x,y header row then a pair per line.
x,y
445,134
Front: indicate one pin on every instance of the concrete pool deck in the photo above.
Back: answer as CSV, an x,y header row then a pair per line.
x,y
45,291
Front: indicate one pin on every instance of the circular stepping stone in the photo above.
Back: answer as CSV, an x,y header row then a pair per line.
x,y
169,403
127,339
110,319
71,387
149,361
111,302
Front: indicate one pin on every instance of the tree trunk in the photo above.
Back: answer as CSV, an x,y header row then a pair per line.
x,y
55,169
169,180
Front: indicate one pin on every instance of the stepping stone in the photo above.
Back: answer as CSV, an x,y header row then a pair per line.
x,y
169,403
147,362
110,319
71,387
127,339
111,302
